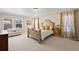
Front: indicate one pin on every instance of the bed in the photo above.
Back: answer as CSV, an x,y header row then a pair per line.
x,y
46,33
39,35
42,32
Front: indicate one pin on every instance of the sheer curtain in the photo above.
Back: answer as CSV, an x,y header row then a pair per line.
x,y
68,24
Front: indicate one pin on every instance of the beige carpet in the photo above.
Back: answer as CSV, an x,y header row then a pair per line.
x,y
53,43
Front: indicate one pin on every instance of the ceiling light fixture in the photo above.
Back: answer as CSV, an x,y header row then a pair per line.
x,y
35,9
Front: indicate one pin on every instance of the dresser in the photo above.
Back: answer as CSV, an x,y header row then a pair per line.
x,y
3,40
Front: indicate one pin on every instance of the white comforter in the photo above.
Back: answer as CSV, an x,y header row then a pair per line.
x,y
45,33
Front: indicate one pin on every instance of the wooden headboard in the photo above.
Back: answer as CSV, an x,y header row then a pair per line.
x,y
47,25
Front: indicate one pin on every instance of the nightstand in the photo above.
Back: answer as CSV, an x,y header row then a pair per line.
x,y
56,31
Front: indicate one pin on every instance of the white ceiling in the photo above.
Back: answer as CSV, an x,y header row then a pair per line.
x,y
42,12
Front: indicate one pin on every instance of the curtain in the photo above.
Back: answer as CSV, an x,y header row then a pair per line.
x,y
68,24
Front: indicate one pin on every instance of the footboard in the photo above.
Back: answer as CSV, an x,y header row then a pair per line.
x,y
36,34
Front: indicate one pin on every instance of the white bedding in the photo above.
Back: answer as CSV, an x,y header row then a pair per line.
x,y
45,33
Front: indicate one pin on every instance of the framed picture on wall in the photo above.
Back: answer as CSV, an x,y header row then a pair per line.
x,y
7,24
28,22
18,23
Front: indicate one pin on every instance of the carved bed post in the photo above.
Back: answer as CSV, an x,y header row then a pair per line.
x,y
34,22
27,32
38,24
40,36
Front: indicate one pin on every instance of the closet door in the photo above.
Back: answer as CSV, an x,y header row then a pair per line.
x,y
77,24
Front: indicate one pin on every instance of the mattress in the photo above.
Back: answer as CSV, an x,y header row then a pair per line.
x,y
46,33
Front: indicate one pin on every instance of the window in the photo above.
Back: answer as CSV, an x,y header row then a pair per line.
x,y
18,23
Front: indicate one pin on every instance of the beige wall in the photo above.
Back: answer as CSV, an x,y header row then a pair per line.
x,y
1,24
14,17
54,18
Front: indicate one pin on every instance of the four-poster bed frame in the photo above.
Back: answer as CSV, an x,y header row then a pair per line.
x,y
39,35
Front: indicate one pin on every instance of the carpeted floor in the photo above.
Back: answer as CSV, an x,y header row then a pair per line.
x,y
53,43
